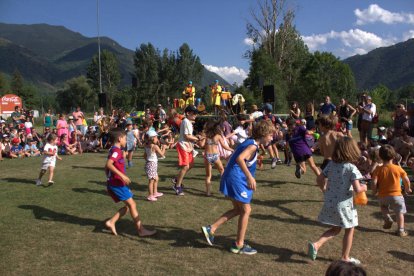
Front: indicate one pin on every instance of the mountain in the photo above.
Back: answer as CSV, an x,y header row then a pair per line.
x,y
391,66
53,54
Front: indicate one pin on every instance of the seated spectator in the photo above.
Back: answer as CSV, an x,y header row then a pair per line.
x,y
5,146
16,150
65,147
31,148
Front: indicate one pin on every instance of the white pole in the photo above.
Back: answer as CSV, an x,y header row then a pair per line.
x,y
99,47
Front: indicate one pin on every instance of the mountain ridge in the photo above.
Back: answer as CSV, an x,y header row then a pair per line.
x,y
51,54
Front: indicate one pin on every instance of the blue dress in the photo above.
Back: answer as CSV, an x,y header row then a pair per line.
x,y
234,182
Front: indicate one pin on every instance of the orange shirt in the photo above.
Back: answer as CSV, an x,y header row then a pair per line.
x,y
388,180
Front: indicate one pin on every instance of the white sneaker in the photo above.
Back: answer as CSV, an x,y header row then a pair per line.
x,y
38,182
195,153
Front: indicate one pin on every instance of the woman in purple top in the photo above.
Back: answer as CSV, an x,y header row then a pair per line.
x,y
300,149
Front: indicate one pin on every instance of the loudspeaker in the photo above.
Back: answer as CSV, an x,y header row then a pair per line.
x,y
102,100
268,94
134,82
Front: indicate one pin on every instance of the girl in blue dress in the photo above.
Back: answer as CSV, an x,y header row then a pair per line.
x,y
238,184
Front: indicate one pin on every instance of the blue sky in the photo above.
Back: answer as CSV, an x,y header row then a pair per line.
x,y
216,29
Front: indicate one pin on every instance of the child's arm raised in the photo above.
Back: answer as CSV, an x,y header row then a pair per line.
x,y
110,166
159,151
247,154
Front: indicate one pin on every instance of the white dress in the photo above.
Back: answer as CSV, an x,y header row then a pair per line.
x,y
338,208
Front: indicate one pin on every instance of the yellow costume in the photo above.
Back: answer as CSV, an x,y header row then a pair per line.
x,y
216,94
189,95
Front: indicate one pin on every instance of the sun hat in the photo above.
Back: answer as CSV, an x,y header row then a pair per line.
x,y
151,133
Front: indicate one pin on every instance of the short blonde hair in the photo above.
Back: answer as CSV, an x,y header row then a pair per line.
x,y
346,150
262,128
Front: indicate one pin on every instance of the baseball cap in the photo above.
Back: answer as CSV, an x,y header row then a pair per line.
x,y
151,133
2,121
190,109
70,117
369,98
381,128
15,140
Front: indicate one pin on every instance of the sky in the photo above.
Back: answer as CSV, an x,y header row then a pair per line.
x,y
216,29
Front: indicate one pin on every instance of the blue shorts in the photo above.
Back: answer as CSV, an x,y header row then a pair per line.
x,y
119,193
348,125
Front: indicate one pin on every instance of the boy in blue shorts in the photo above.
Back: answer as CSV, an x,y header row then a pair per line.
x,y
238,184
118,182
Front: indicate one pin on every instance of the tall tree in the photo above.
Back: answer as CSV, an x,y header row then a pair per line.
x,y
2,84
324,75
111,76
146,62
17,84
76,92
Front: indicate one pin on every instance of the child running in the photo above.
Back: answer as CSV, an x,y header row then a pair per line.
x,y
338,210
118,185
214,138
238,184
151,166
300,149
386,180
50,153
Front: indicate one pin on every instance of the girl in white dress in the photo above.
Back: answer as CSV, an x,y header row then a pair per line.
x,y
338,210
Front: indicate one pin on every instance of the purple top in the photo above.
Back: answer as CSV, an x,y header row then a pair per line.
x,y
298,144
227,128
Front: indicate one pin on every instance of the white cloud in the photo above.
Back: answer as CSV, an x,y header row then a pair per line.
x,y
314,41
355,41
231,74
408,35
375,13
248,41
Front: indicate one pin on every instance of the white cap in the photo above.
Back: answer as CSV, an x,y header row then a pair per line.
x,y
151,133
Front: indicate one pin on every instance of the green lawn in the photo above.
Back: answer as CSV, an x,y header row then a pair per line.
x,y
59,229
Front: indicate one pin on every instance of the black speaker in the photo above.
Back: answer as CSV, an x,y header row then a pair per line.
x,y
102,100
134,82
268,94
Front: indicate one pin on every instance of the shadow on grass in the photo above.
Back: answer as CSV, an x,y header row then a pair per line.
x,y
19,180
402,255
278,183
87,190
123,226
88,168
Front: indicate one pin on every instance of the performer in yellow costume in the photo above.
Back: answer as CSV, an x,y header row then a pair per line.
x,y
216,96
189,94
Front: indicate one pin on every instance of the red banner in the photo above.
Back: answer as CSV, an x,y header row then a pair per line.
x,y
9,102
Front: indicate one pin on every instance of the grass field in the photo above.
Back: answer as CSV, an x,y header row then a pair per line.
x,y
60,229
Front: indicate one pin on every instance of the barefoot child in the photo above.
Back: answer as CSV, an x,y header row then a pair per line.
x,y
338,210
386,180
238,184
118,184
328,138
151,166
50,153
214,138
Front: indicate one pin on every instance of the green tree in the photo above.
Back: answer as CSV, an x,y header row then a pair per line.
x,y
189,66
3,85
111,76
76,92
16,84
323,75
147,60
380,97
